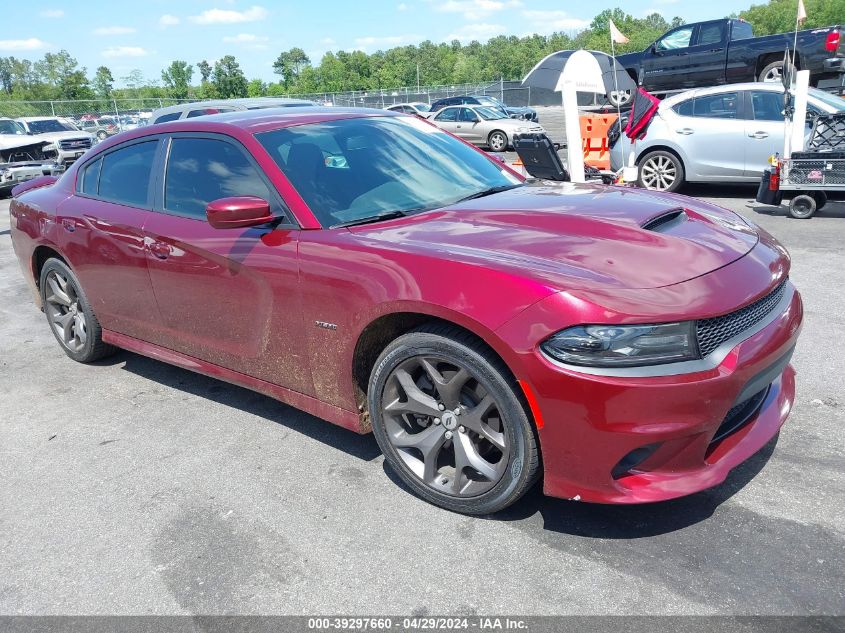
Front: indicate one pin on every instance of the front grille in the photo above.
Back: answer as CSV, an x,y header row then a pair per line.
x,y
75,144
713,332
739,415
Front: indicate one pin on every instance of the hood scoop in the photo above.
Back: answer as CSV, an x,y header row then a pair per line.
x,y
665,222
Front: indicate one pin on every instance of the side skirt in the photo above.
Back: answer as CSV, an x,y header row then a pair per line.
x,y
347,419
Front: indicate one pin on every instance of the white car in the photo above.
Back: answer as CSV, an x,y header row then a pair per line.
x,y
69,142
722,134
483,126
417,107
202,108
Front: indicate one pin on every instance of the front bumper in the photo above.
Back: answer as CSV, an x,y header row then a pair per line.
x,y
590,424
13,175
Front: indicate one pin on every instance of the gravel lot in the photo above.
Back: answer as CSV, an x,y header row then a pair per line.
x,y
133,487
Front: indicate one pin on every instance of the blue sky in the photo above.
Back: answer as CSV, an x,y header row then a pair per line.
x,y
149,34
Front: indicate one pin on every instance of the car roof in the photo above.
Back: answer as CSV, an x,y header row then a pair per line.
x,y
244,103
27,119
712,90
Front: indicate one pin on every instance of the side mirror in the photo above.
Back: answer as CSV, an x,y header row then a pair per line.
x,y
238,212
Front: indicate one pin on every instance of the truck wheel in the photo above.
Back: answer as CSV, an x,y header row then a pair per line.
x,y
618,98
772,73
802,207
821,199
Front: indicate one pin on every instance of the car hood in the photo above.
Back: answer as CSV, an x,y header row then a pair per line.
x,y
52,137
569,236
12,141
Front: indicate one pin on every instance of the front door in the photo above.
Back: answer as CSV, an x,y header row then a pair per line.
x,y
764,130
227,296
666,65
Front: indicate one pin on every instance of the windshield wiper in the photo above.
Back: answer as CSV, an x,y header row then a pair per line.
x,y
387,215
489,192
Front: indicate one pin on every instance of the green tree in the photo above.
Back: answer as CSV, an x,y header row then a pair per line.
x,y
205,70
289,65
228,78
61,75
778,16
103,82
177,79
257,88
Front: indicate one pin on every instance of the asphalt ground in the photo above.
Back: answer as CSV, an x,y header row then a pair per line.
x,y
133,487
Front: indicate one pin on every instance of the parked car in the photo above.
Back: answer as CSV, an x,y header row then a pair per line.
x,y
382,274
204,108
418,108
69,142
100,127
721,134
22,157
529,114
726,52
483,126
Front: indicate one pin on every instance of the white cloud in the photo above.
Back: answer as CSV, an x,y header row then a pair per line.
x,y
365,43
113,30
52,13
480,32
544,22
125,51
31,44
226,16
254,42
402,7
474,9
168,20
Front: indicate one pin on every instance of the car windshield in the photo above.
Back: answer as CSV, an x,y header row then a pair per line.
x,y
489,101
11,127
359,168
50,125
422,107
832,102
490,114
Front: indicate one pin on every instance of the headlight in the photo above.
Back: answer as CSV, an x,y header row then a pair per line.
x,y
623,345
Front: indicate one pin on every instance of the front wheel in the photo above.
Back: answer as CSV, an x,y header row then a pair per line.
x,y
661,171
69,314
448,419
498,141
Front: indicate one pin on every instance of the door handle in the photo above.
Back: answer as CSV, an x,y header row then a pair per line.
x,y
759,135
69,224
159,249
686,131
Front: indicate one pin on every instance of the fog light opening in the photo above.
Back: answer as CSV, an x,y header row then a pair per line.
x,y
633,459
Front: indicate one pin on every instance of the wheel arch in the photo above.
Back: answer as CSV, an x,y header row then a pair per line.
x,y
40,255
765,60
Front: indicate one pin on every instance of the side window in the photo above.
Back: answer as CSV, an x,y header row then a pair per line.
x,y
466,115
675,40
684,108
125,174
721,106
168,117
200,170
90,178
741,30
712,33
767,106
449,114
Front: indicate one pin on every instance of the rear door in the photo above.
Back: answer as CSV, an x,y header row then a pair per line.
x,y
708,55
468,123
447,119
666,65
712,132
764,129
103,236
226,296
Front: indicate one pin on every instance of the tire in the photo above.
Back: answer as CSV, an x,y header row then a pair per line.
x,y
619,98
478,384
772,72
69,314
101,135
497,141
802,207
660,171
821,199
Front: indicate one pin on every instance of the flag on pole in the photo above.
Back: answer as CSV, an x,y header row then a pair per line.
x,y
616,34
802,12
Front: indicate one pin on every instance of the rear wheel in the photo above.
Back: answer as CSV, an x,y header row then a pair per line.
x,y
802,207
69,314
772,72
448,419
821,199
498,141
661,171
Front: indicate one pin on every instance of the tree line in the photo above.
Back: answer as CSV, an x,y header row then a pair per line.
x,y
58,76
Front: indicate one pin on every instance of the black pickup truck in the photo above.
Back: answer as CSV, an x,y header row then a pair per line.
x,y
726,52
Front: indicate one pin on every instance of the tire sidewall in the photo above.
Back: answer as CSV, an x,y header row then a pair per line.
x,y
516,425
87,352
803,215
490,140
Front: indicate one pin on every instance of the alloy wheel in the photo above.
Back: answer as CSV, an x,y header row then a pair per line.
x,y
658,173
445,426
65,312
498,142
775,74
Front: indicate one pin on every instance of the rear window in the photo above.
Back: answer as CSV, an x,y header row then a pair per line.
x,y
684,108
125,174
713,33
168,117
741,31
721,106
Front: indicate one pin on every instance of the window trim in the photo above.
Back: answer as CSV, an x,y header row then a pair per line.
x,y
288,221
77,185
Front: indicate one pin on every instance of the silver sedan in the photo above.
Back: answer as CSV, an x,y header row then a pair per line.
x,y
481,125
721,134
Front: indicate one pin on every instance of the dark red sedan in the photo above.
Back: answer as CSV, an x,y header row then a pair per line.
x,y
366,267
